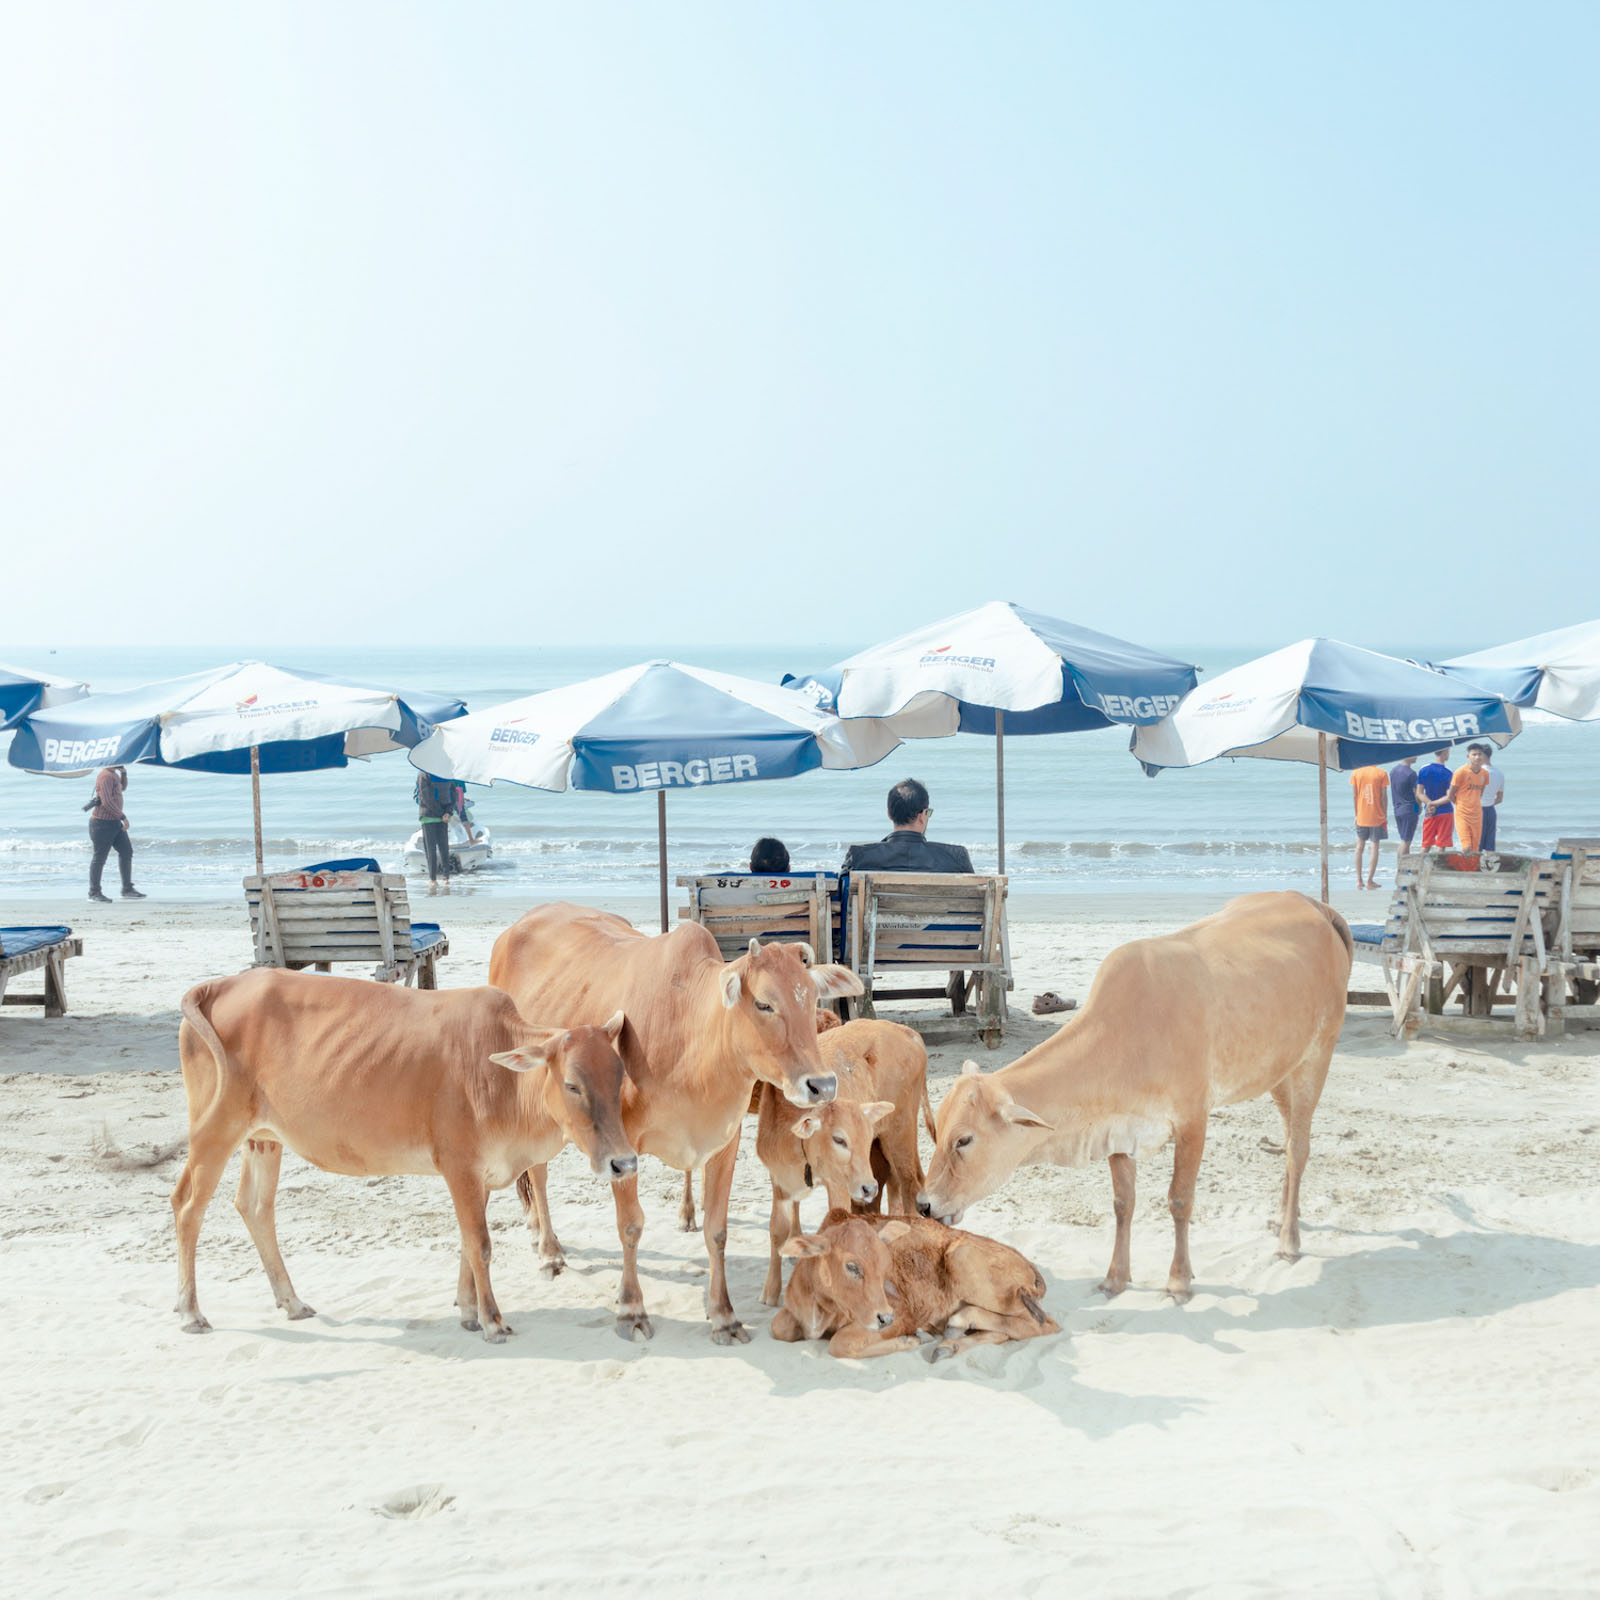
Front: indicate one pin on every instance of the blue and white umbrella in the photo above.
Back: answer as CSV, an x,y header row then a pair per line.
x,y
1002,669
657,726
1558,672
244,717
22,691
1332,704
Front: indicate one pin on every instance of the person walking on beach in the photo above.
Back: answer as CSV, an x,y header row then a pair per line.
x,y
1403,792
1437,813
1371,786
438,799
1466,795
108,831
1492,796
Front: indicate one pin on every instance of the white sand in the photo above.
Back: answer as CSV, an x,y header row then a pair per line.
x,y
1411,1409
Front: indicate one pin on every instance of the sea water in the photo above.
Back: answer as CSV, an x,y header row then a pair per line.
x,y
1080,813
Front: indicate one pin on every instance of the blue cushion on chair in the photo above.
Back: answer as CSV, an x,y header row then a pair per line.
x,y
424,935
1367,932
350,864
19,941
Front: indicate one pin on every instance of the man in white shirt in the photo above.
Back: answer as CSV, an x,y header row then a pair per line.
x,y
1492,796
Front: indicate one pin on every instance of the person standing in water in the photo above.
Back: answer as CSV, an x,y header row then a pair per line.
x,y
438,799
108,831
1466,795
1437,813
1371,786
1403,793
1492,796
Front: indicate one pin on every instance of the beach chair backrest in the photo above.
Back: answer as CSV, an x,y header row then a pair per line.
x,y
783,908
905,921
302,918
1578,861
1458,906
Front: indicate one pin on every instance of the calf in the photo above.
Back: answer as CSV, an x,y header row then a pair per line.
x,y
970,1289
369,1078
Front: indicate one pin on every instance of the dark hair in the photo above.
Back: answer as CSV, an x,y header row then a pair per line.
x,y
769,855
1487,753
907,799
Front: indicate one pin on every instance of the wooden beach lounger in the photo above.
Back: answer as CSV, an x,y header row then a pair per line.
x,y
916,923
342,911
1573,989
29,950
780,908
1477,923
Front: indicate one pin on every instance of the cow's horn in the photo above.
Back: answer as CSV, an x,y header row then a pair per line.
x,y
807,954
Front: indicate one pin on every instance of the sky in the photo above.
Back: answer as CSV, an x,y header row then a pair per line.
x,y
769,323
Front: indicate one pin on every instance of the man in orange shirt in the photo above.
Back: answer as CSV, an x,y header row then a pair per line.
x,y
1466,795
1371,785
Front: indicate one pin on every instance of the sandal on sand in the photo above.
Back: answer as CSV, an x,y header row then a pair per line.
x,y
1044,1004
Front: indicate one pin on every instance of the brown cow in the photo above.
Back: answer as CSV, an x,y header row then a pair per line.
x,y
970,1289
367,1078
699,1034
1247,1002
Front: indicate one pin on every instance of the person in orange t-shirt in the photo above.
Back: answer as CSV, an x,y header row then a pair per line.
x,y
1466,795
1371,786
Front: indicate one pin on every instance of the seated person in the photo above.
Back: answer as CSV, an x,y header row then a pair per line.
x,y
769,856
908,848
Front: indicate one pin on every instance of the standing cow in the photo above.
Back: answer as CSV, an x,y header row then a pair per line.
x,y
700,1033
1247,1002
368,1078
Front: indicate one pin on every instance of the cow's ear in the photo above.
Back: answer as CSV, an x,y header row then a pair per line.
x,y
970,1069
803,1244
755,947
807,1125
833,982
613,1026
533,1052
876,1110
1024,1118
732,985
891,1231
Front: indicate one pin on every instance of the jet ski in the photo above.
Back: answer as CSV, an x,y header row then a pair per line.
x,y
467,854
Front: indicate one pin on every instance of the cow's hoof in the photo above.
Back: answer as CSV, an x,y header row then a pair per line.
x,y
495,1335
553,1268
197,1324
634,1326
471,1324
733,1331
686,1223
1111,1287
940,1351
1180,1293
771,1299
299,1311
1288,1255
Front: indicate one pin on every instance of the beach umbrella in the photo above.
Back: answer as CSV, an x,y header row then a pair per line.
x,y
1332,704
22,691
1557,672
1001,669
656,726
244,717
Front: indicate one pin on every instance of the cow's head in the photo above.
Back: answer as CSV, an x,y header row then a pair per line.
x,y
846,1267
838,1145
772,993
582,1077
984,1136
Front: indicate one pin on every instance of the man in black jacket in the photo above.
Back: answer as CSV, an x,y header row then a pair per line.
x,y
908,848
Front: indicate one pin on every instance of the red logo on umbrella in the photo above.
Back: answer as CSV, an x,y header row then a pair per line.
x,y
250,702
939,650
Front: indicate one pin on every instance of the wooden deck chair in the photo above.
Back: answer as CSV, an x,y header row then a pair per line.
x,y
342,912
909,924
1572,991
34,949
782,908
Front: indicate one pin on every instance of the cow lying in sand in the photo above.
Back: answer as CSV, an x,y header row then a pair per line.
x,y
369,1078
1247,1002
868,1284
699,1035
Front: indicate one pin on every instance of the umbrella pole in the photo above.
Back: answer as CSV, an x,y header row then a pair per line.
x,y
1000,785
661,849
255,798
1322,799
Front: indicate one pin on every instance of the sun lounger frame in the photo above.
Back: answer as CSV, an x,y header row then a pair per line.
x,y
775,907
315,918
52,960
1572,987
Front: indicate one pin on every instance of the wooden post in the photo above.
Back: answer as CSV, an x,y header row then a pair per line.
x,y
661,847
1000,785
255,798
1322,798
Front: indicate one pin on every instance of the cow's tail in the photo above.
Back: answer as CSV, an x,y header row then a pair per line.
x,y
525,1195
193,1005
927,1112
1340,927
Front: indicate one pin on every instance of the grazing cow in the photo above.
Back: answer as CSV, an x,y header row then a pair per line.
x,y
367,1078
699,1035
969,1289
1247,1002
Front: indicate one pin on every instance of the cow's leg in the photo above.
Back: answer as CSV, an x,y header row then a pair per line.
x,y
725,1326
1122,1188
1303,1096
256,1203
202,1172
856,1344
686,1205
552,1258
784,1226
632,1323
1188,1148
467,1293
897,1139
472,1217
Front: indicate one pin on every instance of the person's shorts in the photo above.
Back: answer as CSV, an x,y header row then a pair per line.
x,y
1405,824
1379,830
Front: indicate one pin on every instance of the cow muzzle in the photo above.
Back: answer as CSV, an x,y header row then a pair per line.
x,y
815,1089
620,1167
931,1207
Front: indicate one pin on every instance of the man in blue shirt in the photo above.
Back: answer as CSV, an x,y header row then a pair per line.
x,y
1403,792
1438,822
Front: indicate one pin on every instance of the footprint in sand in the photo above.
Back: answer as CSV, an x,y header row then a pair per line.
x,y
411,1505
245,1352
135,1436
41,1492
